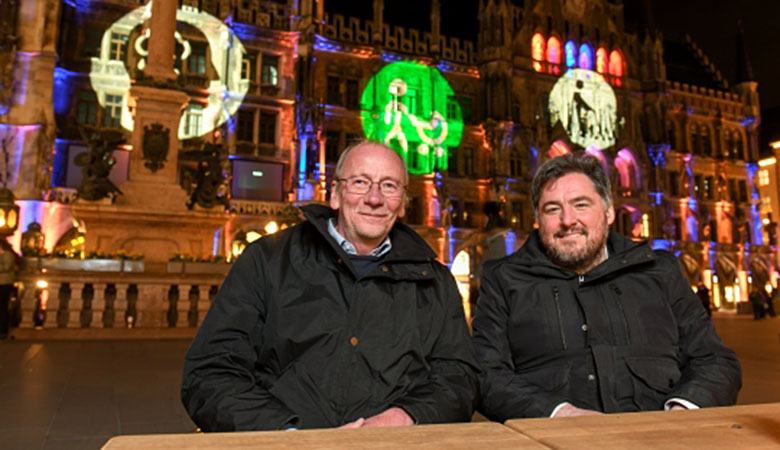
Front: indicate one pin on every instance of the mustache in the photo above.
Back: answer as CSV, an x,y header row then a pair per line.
x,y
574,229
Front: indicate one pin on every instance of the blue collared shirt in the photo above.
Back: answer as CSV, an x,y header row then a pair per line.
x,y
347,246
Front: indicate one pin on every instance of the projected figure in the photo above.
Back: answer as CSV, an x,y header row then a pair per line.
x,y
394,112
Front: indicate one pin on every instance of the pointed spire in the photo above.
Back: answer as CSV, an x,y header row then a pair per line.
x,y
744,68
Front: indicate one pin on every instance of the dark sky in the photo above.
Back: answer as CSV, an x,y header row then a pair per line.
x,y
713,26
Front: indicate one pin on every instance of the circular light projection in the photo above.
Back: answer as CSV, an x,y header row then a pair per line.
x,y
111,81
412,109
585,105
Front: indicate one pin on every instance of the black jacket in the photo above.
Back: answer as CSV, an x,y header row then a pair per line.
x,y
626,336
294,337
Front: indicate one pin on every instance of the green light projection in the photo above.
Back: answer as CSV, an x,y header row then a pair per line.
x,y
411,108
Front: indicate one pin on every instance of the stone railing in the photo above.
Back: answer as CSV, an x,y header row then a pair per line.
x,y
89,299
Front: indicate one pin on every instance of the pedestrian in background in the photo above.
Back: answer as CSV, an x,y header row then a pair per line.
x,y
757,301
7,277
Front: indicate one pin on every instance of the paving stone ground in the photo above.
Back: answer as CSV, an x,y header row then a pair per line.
x,y
75,389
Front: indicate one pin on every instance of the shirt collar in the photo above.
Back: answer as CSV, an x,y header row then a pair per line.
x,y
347,246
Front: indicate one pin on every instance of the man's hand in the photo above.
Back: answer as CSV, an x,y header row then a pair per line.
x,y
391,417
676,406
356,424
568,410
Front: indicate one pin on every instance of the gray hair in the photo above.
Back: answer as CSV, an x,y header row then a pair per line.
x,y
364,142
555,168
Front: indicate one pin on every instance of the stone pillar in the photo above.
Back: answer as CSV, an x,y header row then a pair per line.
x,y
161,41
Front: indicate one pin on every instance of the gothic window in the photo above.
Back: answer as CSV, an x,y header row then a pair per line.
x,y
465,109
515,163
537,52
601,60
674,183
709,187
586,57
728,148
595,152
616,67
196,62
113,111
118,47
87,109
739,151
698,186
743,192
554,55
671,136
763,178
469,157
625,222
267,130
245,129
452,107
193,116
558,148
571,54
249,67
733,196
695,140
270,70
331,146
627,170
517,214
353,99
706,144
334,90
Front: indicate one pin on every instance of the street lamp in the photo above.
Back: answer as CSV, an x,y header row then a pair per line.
x,y
9,212
33,240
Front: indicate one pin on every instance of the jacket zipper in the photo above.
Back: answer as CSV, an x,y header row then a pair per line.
x,y
581,279
622,310
560,317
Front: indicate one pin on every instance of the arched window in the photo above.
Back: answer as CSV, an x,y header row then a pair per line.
x,y
554,55
695,140
739,151
628,170
558,148
586,57
627,222
728,148
571,54
515,163
616,67
537,52
593,151
601,60
706,145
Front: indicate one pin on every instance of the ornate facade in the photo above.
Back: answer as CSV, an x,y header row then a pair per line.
x,y
278,88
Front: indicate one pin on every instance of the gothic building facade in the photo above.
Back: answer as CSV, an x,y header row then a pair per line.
x,y
270,92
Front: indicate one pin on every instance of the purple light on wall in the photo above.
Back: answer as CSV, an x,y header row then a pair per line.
x,y
586,57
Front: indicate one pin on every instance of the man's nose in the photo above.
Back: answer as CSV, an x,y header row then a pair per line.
x,y
568,216
373,196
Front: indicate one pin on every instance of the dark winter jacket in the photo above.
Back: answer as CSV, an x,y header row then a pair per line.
x,y
626,336
295,338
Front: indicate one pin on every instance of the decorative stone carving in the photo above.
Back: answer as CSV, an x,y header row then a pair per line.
x,y
96,167
155,146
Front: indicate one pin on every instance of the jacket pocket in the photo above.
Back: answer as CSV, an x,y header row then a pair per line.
x,y
652,379
550,379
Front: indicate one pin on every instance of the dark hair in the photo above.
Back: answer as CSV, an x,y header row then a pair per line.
x,y
555,168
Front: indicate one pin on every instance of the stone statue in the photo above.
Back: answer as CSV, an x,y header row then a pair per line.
x,y
209,182
96,165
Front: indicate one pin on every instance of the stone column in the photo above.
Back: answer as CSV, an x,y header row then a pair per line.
x,y
161,41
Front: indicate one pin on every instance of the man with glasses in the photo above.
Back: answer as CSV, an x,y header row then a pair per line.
x,y
346,319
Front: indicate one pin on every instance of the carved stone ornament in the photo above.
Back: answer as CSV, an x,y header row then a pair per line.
x,y
155,146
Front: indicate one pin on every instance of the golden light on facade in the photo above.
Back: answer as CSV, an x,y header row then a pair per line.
x,y
252,236
271,227
768,161
775,145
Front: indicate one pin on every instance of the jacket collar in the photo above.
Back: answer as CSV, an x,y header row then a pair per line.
x,y
407,244
623,253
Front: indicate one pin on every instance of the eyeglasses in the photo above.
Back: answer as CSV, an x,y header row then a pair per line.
x,y
362,185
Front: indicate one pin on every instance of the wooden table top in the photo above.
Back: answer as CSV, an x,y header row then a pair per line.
x,y
744,426
483,435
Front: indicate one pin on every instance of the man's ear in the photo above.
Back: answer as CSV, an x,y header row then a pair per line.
x,y
610,215
335,197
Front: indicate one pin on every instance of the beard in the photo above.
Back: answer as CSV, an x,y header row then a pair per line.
x,y
579,258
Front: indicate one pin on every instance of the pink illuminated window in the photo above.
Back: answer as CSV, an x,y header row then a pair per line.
x,y
595,152
601,60
554,55
558,148
616,67
586,57
628,171
537,51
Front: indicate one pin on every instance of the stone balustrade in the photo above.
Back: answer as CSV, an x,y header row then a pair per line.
x,y
111,299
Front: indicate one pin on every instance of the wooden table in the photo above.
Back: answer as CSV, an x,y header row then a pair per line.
x,y
483,435
744,426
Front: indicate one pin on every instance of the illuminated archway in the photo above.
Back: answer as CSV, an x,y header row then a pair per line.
x,y
627,221
595,152
571,54
628,170
537,51
586,57
558,148
601,60
554,55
